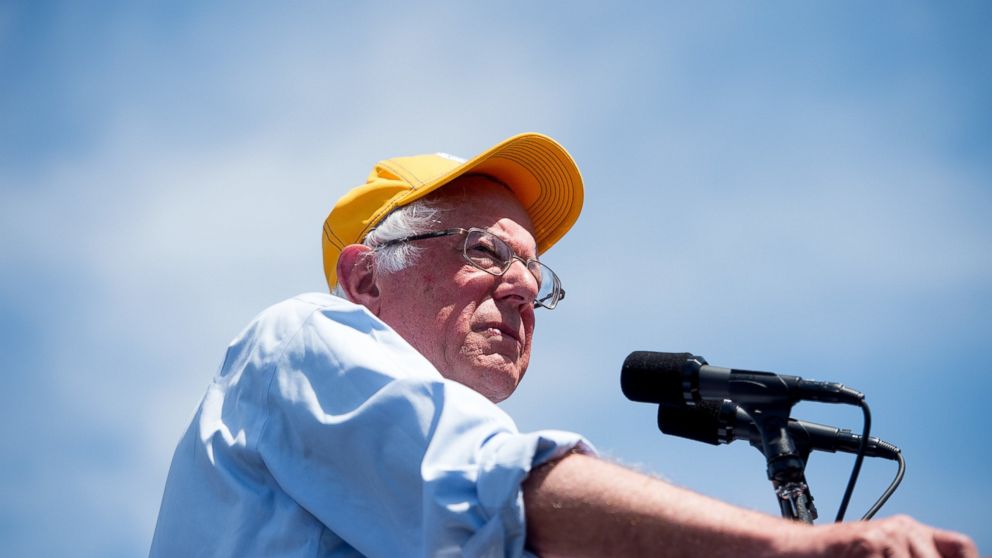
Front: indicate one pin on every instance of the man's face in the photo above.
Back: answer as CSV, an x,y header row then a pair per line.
x,y
475,328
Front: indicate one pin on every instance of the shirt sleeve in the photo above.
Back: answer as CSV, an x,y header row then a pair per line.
x,y
363,433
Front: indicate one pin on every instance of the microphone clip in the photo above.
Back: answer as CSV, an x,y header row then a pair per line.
x,y
786,463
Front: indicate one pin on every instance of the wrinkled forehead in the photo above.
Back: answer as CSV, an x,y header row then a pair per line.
x,y
480,201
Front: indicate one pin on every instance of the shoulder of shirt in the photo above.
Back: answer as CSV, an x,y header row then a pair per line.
x,y
304,305
317,301
284,320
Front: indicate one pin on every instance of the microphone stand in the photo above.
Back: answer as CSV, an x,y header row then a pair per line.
x,y
769,404
786,462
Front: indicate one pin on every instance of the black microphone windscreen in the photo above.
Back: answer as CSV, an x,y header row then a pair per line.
x,y
651,377
699,422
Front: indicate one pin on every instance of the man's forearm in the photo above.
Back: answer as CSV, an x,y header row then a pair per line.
x,y
583,506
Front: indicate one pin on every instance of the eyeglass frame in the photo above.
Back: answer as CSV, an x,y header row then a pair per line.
x,y
509,262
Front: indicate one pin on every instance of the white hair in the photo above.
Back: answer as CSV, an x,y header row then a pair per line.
x,y
416,218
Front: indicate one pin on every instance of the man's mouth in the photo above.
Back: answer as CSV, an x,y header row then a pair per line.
x,y
503,330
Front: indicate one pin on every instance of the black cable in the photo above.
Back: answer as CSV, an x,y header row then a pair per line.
x,y
857,462
892,487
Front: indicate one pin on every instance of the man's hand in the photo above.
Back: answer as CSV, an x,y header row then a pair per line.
x,y
899,536
583,506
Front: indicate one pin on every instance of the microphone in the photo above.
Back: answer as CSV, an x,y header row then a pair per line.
x,y
724,422
678,378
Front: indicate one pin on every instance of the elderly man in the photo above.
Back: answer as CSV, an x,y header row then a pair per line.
x,y
366,424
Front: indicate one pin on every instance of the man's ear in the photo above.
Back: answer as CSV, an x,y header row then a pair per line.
x,y
356,275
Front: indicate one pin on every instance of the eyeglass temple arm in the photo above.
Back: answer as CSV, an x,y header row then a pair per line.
x,y
422,236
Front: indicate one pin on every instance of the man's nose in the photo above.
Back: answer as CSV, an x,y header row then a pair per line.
x,y
518,281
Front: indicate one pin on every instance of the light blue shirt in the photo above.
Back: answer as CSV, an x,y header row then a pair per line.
x,y
326,434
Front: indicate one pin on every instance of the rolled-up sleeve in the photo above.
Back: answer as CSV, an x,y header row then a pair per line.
x,y
364,434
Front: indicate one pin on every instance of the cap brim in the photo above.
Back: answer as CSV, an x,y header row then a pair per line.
x,y
539,172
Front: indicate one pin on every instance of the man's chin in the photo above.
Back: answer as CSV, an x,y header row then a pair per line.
x,y
496,383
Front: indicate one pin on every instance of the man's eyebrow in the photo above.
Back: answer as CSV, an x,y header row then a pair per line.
x,y
511,244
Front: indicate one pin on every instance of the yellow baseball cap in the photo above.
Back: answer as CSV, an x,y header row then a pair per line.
x,y
536,168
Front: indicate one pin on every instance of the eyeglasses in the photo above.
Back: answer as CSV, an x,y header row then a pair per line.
x,y
489,253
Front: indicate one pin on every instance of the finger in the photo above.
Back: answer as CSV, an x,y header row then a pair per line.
x,y
954,545
921,543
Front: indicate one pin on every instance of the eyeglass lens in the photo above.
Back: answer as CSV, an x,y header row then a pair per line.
x,y
491,254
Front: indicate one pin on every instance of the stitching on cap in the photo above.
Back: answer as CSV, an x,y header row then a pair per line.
x,y
329,233
405,171
552,204
560,196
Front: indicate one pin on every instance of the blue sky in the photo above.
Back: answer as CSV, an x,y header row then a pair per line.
x,y
795,187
